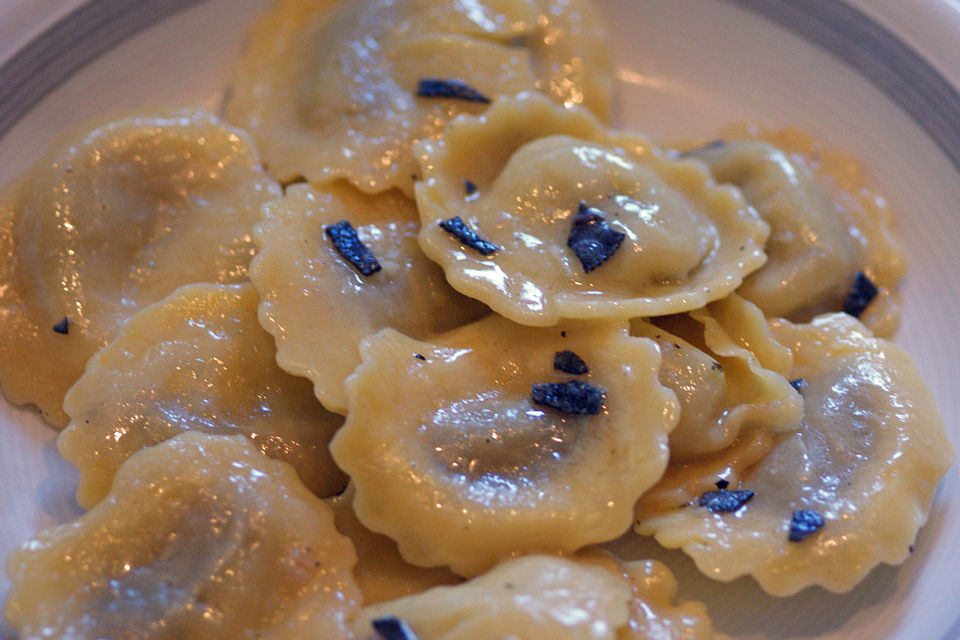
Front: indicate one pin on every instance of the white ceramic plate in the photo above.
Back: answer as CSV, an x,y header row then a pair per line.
x,y
875,81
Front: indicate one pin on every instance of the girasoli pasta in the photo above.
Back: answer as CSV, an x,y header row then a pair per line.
x,y
407,370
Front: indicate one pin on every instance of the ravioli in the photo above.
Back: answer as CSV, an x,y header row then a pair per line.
x,y
319,307
548,597
196,361
200,537
824,228
452,457
867,458
114,218
721,387
329,91
381,572
539,171
653,613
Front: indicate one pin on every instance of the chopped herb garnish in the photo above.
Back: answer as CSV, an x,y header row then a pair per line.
x,y
592,239
63,326
799,384
861,295
419,356
724,501
572,396
459,230
349,245
722,483
393,629
569,362
803,523
449,88
469,188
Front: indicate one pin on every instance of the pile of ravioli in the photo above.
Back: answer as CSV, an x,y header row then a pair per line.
x,y
403,371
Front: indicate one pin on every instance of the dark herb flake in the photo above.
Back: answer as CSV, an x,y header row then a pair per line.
x,y
710,146
419,356
352,249
459,230
861,295
804,523
449,88
393,629
569,362
724,501
592,239
799,384
469,188
572,396
722,483
63,326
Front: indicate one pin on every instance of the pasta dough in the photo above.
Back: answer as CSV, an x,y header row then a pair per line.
x,y
200,537
547,597
330,91
197,360
685,241
721,387
653,614
319,308
867,457
825,226
114,218
492,450
381,571
450,456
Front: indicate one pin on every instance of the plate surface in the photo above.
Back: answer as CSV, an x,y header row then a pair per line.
x,y
874,81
